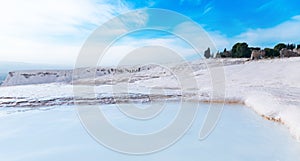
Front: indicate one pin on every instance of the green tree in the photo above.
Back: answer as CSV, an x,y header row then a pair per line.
x,y
291,46
271,53
241,50
279,46
254,48
298,46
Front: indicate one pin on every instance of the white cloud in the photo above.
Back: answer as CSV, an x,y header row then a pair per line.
x,y
25,50
52,31
129,45
207,10
287,32
220,40
195,35
44,31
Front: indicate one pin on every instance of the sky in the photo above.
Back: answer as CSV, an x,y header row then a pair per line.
x,y
53,31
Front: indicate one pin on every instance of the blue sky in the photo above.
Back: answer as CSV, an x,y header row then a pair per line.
x,y
52,32
229,17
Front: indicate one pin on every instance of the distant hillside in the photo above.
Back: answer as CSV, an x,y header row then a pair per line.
x,y
6,67
27,77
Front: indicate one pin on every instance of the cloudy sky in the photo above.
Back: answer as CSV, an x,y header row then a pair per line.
x,y
53,31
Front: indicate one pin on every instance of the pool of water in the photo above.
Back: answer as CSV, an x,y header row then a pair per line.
x,y
57,134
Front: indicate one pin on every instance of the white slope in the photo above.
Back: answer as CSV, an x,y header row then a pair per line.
x,y
270,87
29,77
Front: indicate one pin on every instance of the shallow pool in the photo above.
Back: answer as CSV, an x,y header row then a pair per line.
x,y
57,134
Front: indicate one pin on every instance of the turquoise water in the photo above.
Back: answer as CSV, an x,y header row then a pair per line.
x,y
57,134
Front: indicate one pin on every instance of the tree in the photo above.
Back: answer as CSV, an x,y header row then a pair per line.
x,y
254,48
279,46
291,46
298,46
271,53
207,53
241,50
227,54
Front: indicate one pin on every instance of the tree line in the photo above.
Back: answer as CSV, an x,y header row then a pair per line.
x,y
242,50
